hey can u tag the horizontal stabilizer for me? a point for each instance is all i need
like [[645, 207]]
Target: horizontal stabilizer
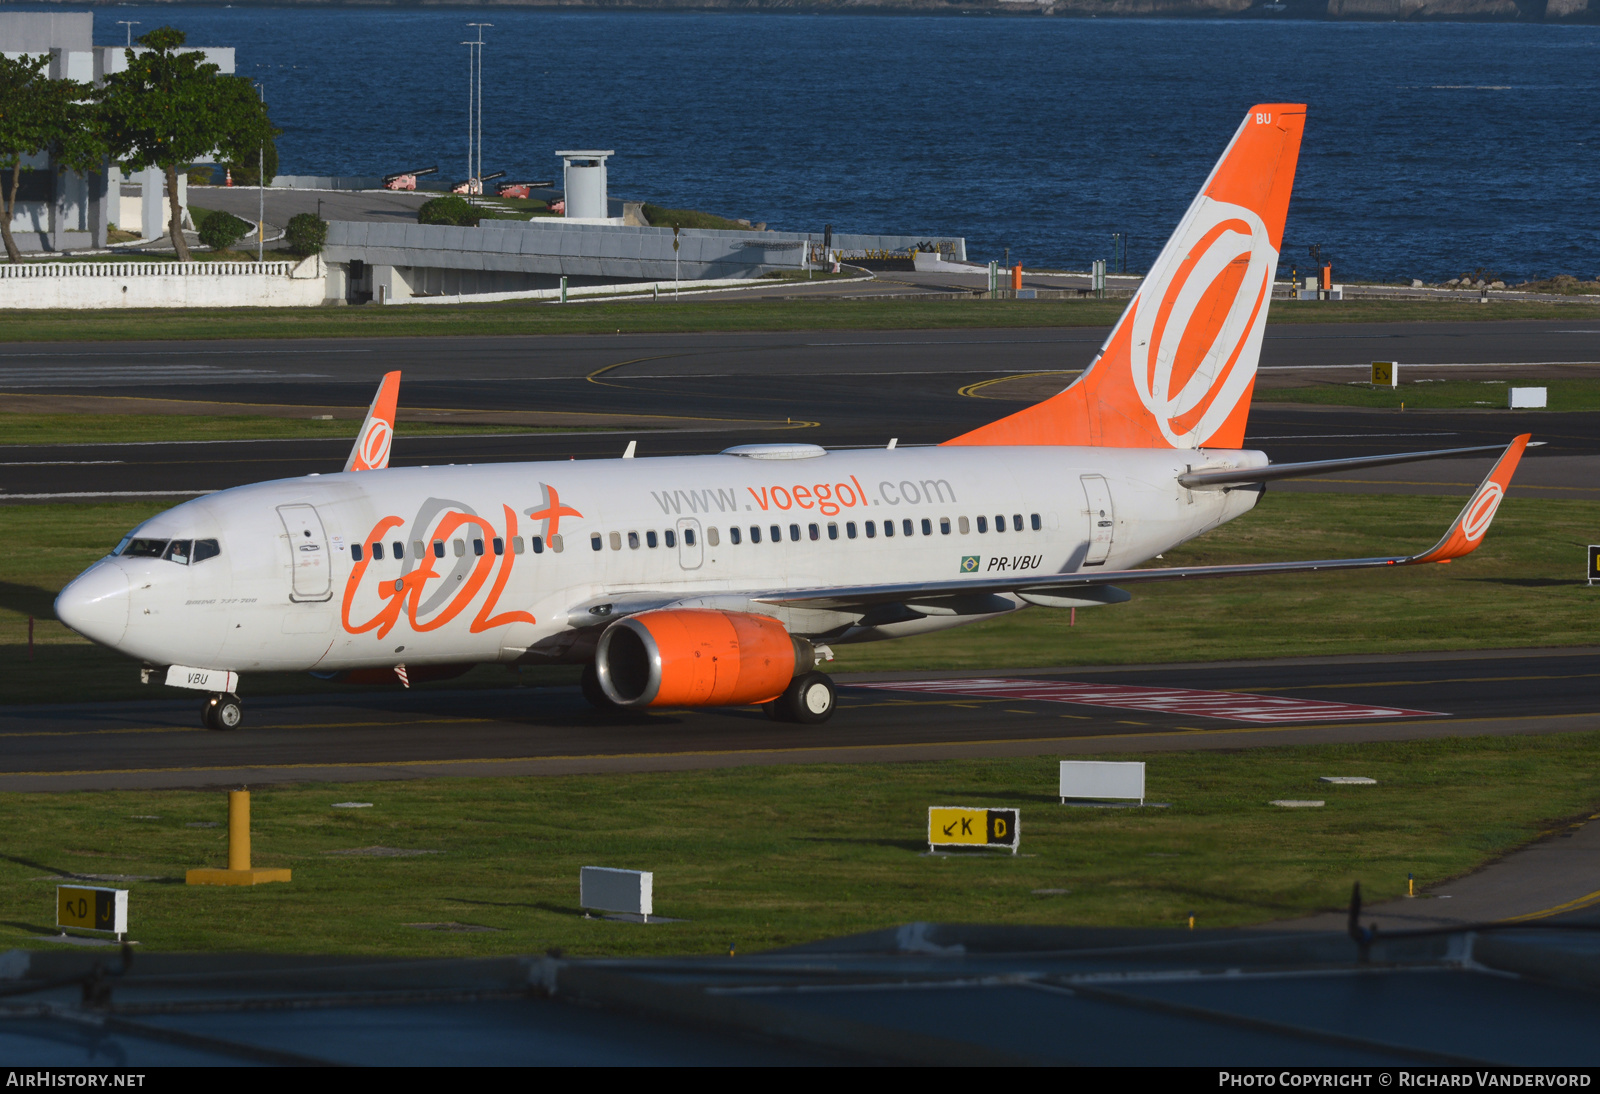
[[1216, 478]]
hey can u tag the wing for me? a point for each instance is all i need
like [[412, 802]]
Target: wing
[[1217, 478], [968, 597]]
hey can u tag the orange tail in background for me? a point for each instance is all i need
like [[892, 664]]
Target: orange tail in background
[[371, 451], [1180, 365]]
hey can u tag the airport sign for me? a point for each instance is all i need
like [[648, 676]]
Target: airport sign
[[88, 908], [957, 826]]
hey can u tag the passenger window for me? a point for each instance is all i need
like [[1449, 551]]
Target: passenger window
[[872, 529], [377, 552], [671, 537], [794, 533], [905, 526], [616, 541], [755, 533], [477, 547], [962, 526], [633, 541], [146, 548], [814, 532], [927, 526], [944, 526], [355, 551], [733, 533], [206, 548], [983, 525], [651, 540], [1016, 522], [712, 539], [417, 549], [594, 541], [399, 549], [499, 545], [537, 544], [438, 548], [850, 529], [459, 547], [833, 530], [999, 522], [1037, 523], [688, 537], [888, 527], [516, 545], [777, 534], [557, 543]]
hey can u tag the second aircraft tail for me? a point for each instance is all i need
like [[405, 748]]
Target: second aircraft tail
[[1180, 365]]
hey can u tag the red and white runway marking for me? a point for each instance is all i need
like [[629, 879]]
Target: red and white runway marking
[[1233, 706]]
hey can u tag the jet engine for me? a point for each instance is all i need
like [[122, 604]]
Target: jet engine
[[696, 657]]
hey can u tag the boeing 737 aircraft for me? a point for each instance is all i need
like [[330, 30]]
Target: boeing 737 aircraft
[[723, 580]]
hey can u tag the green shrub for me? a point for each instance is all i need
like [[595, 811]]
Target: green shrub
[[688, 218], [219, 231], [450, 209], [307, 233]]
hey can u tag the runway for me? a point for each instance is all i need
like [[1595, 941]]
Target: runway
[[881, 718], [830, 388]]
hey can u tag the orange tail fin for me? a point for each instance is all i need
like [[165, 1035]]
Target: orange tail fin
[[1180, 365], [371, 451]]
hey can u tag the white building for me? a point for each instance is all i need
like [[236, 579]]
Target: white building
[[64, 210]]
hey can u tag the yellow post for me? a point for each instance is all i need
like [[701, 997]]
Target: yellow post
[[238, 829], [239, 871]]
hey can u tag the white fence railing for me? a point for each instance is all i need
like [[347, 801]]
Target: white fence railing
[[147, 269]]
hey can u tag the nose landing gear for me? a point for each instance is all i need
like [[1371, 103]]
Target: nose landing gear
[[222, 711]]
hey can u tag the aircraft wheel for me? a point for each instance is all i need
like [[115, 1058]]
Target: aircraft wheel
[[222, 712], [808, 699], [596, 695]]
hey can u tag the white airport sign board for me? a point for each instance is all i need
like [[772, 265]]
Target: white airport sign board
[[1095, 779], [608, 890]]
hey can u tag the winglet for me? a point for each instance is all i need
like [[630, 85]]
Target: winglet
[[1473, 521], [371, 452]]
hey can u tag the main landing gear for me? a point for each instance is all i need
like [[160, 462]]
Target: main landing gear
[[809, 700], [222, 712]]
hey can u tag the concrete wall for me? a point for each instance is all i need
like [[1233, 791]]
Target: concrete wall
[[163, 284], [40, 32]]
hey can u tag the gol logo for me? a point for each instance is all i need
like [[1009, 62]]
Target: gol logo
[[1195, 318], [374, 447], [1476, 520]]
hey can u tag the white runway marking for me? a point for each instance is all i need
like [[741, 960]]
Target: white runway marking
[[102, 375], [1230, 706]]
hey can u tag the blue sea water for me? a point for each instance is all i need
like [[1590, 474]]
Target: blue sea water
[[1430, 149]]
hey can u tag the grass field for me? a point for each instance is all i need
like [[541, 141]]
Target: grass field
[[1524, 587], [720, 314], [759, 857], [122, 428], [1574, 394]]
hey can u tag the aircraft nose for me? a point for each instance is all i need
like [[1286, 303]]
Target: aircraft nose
[[96, 605]]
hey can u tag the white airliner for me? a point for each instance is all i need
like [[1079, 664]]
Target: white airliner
[[723, 579]]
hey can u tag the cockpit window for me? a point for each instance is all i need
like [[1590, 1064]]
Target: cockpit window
[[206, 548], [179, 551], [145, 548]]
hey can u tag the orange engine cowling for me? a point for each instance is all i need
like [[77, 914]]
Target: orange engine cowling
[[694, 657]]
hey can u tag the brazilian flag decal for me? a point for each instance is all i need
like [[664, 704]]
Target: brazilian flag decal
[[969, 564]]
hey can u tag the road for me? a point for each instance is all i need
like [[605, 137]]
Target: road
[[390, 734], [703, 392]]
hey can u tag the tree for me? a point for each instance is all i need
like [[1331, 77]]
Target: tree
[[40, 115], [247, 172], [450, 209], [169, 108]]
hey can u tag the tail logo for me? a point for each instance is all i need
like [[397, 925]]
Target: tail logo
[[373, 451], [1198, 317], [1475, 521]]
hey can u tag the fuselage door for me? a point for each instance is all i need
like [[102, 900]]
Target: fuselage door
[[1102, 519], [310, 567], [691, 552]]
